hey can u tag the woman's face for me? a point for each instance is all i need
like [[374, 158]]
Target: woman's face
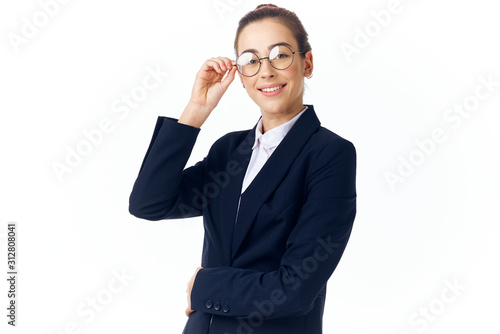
[[260, 36]]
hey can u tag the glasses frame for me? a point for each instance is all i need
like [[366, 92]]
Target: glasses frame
[[269, 60]]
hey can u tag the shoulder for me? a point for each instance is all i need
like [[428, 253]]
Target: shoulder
[[333, 164], [332, 156], [327, 142], [323, 139]]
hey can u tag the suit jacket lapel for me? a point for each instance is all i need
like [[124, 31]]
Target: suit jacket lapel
[[269, 177], [231, 193]]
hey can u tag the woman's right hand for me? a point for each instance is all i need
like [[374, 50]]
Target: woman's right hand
[[208, 89]]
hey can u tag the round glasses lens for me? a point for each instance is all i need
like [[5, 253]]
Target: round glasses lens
[[248, 63], [281, 57]]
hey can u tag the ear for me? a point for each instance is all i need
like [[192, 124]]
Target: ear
[[308, 64]]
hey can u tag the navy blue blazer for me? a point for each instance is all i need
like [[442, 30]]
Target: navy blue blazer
[[266, 269]]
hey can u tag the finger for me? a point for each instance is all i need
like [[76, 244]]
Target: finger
[[214, 65], [188, 311], [228, 79], [222, 62], [229, 65], [218, 67], [225, 63]]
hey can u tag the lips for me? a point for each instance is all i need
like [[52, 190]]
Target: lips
[[274, 91], [276, 86]]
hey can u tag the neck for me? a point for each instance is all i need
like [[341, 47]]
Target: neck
[[272, 120]]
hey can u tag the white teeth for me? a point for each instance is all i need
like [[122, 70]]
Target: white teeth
[[269, 90]]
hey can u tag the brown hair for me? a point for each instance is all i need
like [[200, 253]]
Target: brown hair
[[283, 15]]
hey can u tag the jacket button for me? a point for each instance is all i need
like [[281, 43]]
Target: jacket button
[[225, 308], [208, 303], [216, 306]]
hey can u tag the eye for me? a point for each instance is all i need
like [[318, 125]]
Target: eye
[[281, 56], [246, 59]]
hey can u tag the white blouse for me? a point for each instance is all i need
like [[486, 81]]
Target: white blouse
[[264, 145]]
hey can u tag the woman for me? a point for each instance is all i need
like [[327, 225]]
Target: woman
[[278, 201]]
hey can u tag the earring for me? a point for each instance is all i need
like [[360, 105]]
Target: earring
[[309, 77]]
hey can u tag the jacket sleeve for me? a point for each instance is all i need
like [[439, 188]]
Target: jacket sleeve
[[164, 189], [314, 249]]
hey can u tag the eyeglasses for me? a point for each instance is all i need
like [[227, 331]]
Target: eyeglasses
[[280, 57]]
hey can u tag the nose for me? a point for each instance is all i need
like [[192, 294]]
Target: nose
[[266, 70]]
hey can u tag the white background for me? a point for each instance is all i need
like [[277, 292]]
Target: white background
[[439, 225]]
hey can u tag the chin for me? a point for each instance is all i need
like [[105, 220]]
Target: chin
[[272, 107]]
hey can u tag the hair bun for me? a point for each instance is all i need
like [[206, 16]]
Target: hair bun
[[266, 5]]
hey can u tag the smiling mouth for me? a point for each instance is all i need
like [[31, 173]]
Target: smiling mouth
[[272, 89]]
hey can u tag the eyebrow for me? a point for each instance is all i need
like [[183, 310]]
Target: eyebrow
[[269, 47]]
